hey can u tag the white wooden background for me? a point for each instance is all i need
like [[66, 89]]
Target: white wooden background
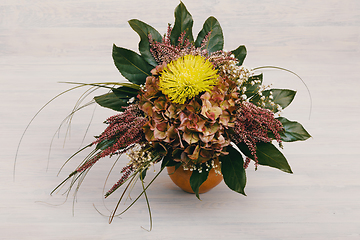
[[43, 42]]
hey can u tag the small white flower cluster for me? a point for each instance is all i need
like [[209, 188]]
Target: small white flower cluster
[[263, 99], [131, 100], [244, 75], [233, 71], [243, 88], [268, 100], [256, 81], [205, 166], [139, 156]]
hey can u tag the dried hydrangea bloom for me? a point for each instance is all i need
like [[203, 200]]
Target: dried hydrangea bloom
[[195, 132]]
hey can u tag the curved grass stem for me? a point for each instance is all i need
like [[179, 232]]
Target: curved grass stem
[[76, 108], [137, 198], [147, 203]]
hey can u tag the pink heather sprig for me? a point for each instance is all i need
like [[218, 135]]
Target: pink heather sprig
[[124, 129], [166, 38], [119, 123], [166, 52], [126, 171], [247, 162], [163, 51], [89, 163], [141, 157], [252, 125], [220, 57], [183, 43], [205, 41]]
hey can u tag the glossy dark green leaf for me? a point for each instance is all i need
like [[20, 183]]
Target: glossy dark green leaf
[[293, 131], [125, 92], [232, 168], [183, 23], [244, 149], [196, 180], [268, 155], [110, 100], [253, 85], [131, 65], [216, 38], [168, 161], [143, 174], [144, 30], [282, 97], [240, 54]]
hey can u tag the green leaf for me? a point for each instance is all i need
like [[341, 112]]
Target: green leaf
[[240, 54], [168, 161], [232, 168], [268, 155], [125, 92], [110, 100], [293, 131], [216, 38], [143, 174], [196, 180], [253, 85], [144, 30], [183, 23], [244, 149], [131, 65], [282, 97], [105, 144]]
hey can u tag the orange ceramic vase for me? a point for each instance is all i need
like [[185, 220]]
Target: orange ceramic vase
[[181, 178]]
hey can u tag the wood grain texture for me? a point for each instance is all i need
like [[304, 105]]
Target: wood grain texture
[[46, 42]]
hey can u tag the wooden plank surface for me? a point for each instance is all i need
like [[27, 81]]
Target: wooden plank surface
[[46, 42]]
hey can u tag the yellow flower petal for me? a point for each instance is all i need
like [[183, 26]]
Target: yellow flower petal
[[186, 77]]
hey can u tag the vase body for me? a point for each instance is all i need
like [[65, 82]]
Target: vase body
[[181, 178]]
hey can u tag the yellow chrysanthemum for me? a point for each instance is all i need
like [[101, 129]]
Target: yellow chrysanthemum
[[186, 77]]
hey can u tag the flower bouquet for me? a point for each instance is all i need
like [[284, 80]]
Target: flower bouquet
[[191, 105]]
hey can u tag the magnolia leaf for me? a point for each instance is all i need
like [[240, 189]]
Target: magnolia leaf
[[268, 155], [131, 65], [293, 131], [183, 23], [253, 85], [144, 30], [232, 169], [282, 97], [110, 100], [216, 39], [240, 54], [143, 174], [244, 149], [197, 179], [125, 92]]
